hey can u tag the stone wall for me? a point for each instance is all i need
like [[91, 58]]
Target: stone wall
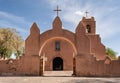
[[87, 65]]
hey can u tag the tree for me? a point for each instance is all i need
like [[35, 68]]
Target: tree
[[3, 52], [18, 45], [10, 42], [111, 53]]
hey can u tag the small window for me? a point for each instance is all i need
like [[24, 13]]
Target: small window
[[57, 46], [88, 29]]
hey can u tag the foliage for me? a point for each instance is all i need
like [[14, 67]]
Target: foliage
[[10, 42], [111, 53]]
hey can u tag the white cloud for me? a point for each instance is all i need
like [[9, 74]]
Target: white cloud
[[12, 17], [107, 23], [73, 11], [12, 21], [6, 24], [79, 13]]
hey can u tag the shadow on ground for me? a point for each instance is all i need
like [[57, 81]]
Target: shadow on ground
[[98, 80]]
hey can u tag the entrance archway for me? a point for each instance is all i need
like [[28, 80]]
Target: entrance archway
[[50, 63], [57, 64]]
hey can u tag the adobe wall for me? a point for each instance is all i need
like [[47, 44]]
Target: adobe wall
[[53, 34], [56, 32], [23, 66], [87, 65], [97, 47], [82, 41], [66, 50], [32, 43]]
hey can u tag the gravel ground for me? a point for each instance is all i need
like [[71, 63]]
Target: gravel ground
[[59, 79]]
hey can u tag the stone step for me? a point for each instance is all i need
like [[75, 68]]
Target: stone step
[[58, 73]]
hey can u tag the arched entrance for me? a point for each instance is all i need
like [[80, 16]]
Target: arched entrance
[[57, 64], [57, 61]]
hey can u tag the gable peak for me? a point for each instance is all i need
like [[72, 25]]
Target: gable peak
[[57, 23], [34, 28]]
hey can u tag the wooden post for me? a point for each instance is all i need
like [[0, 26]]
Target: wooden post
[[41, 66], [74, 65]]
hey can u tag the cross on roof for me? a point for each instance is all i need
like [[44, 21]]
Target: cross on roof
[[57, 10], [86, 13]]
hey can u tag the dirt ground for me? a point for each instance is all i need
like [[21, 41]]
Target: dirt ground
[[50, 79], [57, 77]]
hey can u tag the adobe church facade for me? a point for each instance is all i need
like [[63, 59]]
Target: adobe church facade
[[60, 46], [59, 49]]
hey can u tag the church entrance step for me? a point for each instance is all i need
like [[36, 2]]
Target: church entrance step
[[58, 73]]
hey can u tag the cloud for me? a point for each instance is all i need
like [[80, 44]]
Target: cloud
[[79, 13], [8, 20], [71, 12], [12, 17], [74, 10], [107, 21], [7, 24]]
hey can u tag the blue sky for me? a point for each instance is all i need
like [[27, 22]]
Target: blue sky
[[21, 14]]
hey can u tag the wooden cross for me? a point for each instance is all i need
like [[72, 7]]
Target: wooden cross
[[57, 10], [86, 13]]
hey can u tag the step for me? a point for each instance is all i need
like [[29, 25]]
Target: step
[[58, 73]]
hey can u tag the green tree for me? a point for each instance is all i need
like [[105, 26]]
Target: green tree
[[10, 42], [18, 45], [111, 53]]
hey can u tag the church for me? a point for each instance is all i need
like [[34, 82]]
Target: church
[[59, 49], [59, 46]]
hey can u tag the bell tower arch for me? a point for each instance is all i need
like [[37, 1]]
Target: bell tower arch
[[90, 25]]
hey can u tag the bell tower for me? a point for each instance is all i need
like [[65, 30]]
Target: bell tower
[[89, 25]]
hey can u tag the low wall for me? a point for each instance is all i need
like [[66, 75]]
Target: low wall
[[87, 65], [26, 65]]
